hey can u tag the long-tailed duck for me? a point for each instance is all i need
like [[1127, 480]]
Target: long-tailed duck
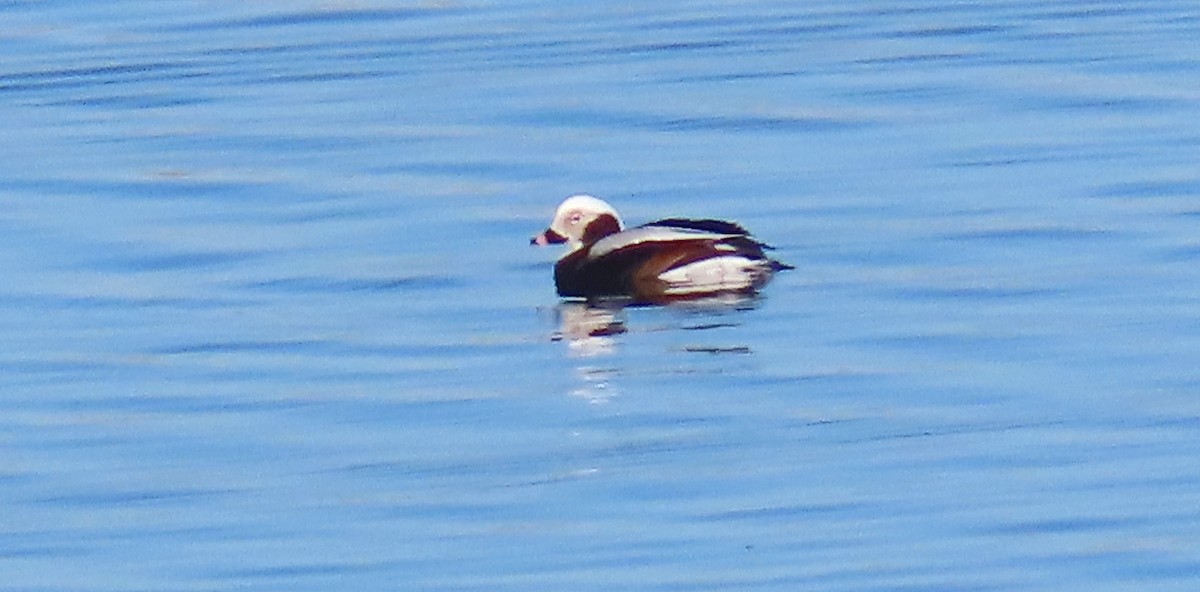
[[671, 259]]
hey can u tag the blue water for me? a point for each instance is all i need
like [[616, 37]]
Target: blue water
[[269, 319]]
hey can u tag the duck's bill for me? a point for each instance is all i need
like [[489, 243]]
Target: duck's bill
[[549, 237]]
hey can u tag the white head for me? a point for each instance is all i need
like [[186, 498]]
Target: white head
[[580, 220]]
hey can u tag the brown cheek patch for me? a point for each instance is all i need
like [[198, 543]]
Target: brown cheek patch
[[602, 226]]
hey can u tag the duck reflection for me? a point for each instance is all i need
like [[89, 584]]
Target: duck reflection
[[589, 327], [595, 328]]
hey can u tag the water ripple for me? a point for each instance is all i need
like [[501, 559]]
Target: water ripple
[[269, 319], [339, 285], [742, 123], [330, 17]]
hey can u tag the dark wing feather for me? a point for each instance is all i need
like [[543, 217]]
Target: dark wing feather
[[718, 226], [705, 225]]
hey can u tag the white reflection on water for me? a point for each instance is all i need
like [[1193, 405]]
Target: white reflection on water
[[589, 327]]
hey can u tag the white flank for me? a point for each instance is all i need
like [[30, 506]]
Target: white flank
[[717, 274], [661, 234]]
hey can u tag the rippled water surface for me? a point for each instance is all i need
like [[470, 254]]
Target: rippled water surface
[[269, 318]]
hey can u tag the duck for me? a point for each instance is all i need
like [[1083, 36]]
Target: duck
[[661, 261]]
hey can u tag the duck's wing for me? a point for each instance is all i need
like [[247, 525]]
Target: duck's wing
[[652, 237]]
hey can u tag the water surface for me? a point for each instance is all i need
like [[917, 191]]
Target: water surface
[[270, 319]]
